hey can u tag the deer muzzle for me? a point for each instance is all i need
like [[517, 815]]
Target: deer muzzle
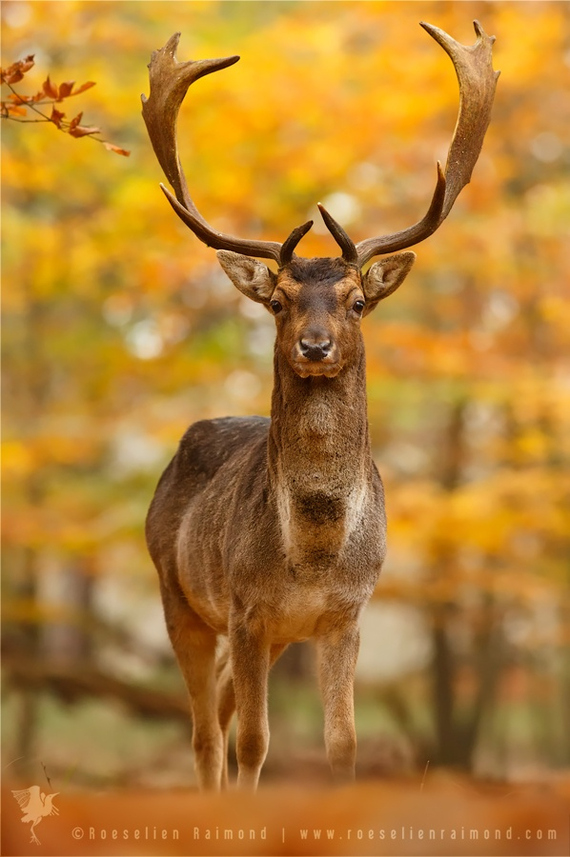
[[315, 353]]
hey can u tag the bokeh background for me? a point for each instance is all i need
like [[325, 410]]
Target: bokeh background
[[120, 329]]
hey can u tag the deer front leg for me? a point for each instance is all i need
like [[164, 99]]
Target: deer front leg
[[250, 669], [336, 659], [226, 698]]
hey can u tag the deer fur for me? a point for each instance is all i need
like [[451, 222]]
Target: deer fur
[[267, 532]]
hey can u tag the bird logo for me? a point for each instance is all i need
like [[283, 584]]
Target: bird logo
[[35, 805]]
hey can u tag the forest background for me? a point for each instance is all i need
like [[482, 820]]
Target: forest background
[[120, 329]]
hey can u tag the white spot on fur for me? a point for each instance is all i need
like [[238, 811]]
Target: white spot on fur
[[355, 508], [284, 514]]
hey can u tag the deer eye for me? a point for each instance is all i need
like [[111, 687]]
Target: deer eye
[[358, 307], [275, 306]]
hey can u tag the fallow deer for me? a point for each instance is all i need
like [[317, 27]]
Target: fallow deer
[[269, 531]]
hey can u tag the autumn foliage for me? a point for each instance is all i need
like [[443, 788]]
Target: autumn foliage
[[120, 329], [19, 106]]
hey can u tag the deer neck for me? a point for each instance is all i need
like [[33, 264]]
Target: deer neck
[[319, 459]]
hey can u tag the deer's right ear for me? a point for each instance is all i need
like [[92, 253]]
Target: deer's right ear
[[252, 278]]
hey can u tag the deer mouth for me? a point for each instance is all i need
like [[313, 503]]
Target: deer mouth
[[315, 368]]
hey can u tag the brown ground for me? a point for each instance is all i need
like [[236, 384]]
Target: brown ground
[[372, 818]]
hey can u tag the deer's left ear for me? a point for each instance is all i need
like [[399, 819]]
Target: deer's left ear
[[385, 276]]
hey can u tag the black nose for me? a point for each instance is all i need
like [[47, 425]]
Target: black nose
[[314, 349]]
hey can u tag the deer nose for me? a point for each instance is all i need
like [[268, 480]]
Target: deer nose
[[315, 348]]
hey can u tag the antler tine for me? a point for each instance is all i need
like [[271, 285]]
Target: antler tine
[[169, 82], [477, 82], [344, 241], [288, 247]]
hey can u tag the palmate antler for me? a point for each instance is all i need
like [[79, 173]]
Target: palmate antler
[[477, 83], [169, 82]]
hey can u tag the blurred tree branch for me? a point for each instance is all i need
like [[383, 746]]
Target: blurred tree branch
[[73, 683], [16, 106]]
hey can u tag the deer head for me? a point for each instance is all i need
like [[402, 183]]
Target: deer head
[[318, 303]]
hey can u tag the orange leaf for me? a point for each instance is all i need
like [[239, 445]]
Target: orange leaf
[[14, 110], [56, 117], [85, 86], [28, 63], [12, 75], [75, 121], [20, 99], [117, 149], [83, 130], [49, 89], [17, 70], [65, 89]]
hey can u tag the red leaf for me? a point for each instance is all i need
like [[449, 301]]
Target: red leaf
[[117, 149], [49, 89], [56, 117], [75, 121], [65, 89]]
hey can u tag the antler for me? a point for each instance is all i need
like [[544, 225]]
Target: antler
[[477, 82], [169, 82]]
